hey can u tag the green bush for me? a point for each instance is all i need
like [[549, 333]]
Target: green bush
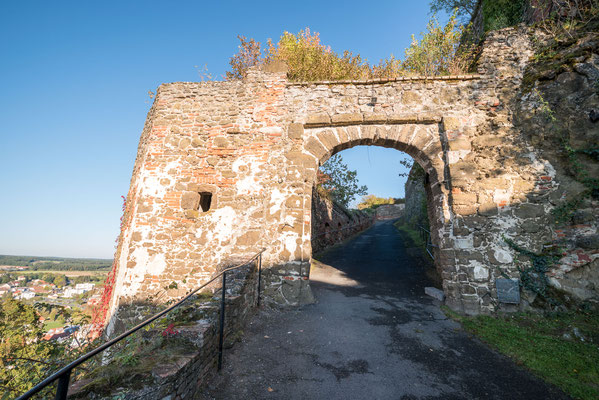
[[498, 14]]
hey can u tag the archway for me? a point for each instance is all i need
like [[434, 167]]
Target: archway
[[419, 138]]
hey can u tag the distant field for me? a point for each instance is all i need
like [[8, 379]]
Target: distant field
[[52, 324], [70, 274], [55, 264]]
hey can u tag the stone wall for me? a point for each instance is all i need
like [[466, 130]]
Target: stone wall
[[332, 224], [183, 374], [389, 211], [415, 213], [555, 113], [255, 146]]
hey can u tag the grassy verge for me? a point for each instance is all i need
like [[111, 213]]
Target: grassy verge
[[416, 247], [413, 234], [561, 348], [52, 324]]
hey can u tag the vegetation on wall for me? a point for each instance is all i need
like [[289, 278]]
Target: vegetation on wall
[[499, 14], [436, 52], [574, 166], [533, 277]]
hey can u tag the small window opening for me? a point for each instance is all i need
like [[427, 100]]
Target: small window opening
[[205, 201]]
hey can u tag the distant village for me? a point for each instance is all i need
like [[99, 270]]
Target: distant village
[[40, 291]]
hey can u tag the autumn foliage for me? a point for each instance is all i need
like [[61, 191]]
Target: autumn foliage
[[437, 52]]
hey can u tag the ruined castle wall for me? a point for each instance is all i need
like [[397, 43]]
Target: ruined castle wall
[[255, 146]]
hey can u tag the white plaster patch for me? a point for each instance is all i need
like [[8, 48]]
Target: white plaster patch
[[555, 282], [248, 182], [291, 243], [501, 197], [271, 130], [289, 220], [276, 199], [456, 155], [152, 186], [156, 264], [481, 272], [223, 220], [144, 264]]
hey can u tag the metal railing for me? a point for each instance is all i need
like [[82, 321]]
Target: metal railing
[[64, 375], [425, 235]]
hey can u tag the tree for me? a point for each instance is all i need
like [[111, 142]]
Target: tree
[[25, 359], [338, 182], [249, 55], [465, 8], [60, 280]]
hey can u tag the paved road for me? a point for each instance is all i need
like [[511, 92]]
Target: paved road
[[372, 334]]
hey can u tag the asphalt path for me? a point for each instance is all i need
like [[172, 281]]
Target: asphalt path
[[372, 334]]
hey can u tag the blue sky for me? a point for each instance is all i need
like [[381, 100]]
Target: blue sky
[[75, 77]]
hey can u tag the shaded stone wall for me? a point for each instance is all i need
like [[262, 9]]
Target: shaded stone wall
[[332, 224], [415, 212], [558, 113], [255, 147], [389, 211]]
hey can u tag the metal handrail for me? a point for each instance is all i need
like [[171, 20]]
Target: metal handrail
[[425, 234], [63, 375]]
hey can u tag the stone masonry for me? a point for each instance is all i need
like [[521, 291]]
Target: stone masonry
[[227, 168], [332, 224]]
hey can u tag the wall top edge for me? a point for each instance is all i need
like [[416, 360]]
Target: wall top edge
[[387, 80]]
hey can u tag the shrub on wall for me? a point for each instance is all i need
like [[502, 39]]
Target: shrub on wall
[[499, 14], [437, 52], [309, 60]]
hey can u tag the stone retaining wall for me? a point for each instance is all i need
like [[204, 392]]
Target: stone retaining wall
[[389, 211], [332, 224], [183, 376]]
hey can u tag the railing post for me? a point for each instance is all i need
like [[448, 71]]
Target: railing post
[[63, 386], [259, 276], [222, 322]]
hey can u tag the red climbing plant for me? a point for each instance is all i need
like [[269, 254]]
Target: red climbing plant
[[100, 312]]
